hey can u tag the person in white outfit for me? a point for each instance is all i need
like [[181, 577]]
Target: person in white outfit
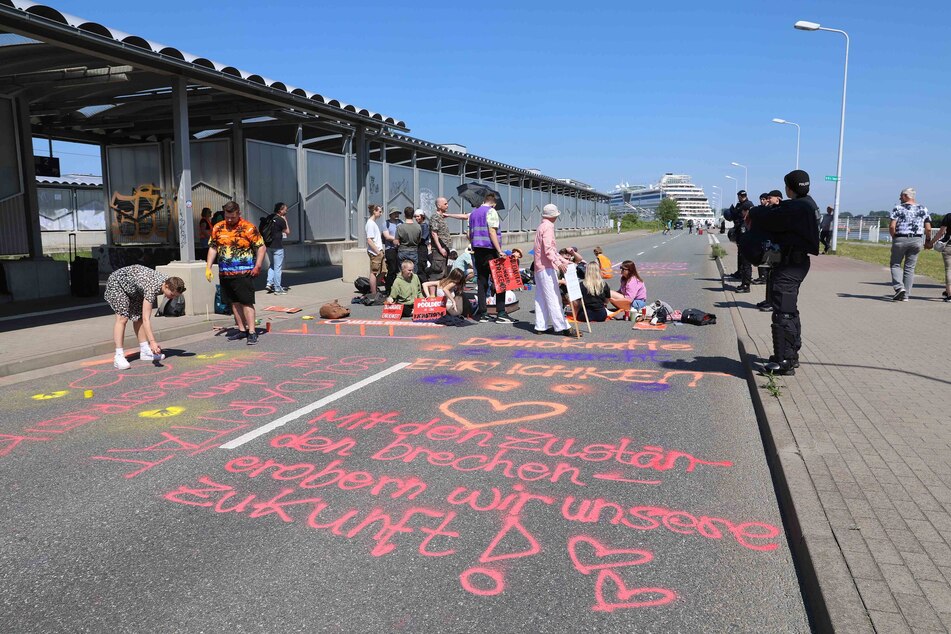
[[549, 312]]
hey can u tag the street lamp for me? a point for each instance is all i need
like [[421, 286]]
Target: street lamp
[[802, 25], [719, 195], [736, 186], [798, 130], [746, 175]]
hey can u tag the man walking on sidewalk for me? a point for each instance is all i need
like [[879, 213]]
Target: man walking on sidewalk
[[910, 229], [792, 225], [825, 229]]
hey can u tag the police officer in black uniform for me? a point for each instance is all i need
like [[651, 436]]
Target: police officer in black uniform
[[792, 225], [737, 215]]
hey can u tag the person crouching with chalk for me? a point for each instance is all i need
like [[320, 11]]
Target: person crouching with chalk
[[132, 293]]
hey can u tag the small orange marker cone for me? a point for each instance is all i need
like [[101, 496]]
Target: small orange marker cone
[[304, 328], [267, 327]]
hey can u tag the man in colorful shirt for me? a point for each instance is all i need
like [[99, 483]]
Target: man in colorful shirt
[[909, 226], [240, 250]]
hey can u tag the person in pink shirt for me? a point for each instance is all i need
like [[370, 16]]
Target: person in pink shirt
[[632, 288], [548, 306]]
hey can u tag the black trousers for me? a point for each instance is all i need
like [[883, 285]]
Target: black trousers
[[745, 268], [480, 262], [784, 298], [825, 237], [422, 255], [392, 266]]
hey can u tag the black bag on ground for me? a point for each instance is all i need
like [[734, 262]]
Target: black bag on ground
[[84, 277], [174, 307], [373, 300], [697, 317], [362, 285]]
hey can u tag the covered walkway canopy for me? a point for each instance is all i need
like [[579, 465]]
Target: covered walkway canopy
[[168, 121]]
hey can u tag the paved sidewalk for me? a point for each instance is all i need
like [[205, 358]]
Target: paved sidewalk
[[861, 444], [83, 326]]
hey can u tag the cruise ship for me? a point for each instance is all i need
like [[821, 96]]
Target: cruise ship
[[644, 199]]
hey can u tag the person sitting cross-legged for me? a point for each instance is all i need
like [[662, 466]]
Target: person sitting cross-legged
[[451, 288], [632, 293], [594, 293], [406, 288]]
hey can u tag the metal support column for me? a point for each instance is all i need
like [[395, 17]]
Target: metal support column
[[302, 185], [183, 171], [238, 155], [31, 203], [362, 150]]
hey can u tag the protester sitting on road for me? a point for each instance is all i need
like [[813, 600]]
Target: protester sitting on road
[[132, 293], [594, 292], [451, 288], [632, 288], [463, 262], [604, 262], [944, 233], [406, 288]]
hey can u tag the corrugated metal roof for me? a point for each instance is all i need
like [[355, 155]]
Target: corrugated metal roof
[[94, 29], [87, 180]]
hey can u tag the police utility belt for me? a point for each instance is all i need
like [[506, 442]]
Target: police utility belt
[[791, 256]]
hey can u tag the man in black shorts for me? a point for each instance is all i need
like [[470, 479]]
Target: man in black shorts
[[240, 251]]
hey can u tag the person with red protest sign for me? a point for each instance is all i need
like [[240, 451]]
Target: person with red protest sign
[[406, 288]]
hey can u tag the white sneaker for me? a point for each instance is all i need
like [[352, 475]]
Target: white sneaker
[[121, 363], [146, 355]]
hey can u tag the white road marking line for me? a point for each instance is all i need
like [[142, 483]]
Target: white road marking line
[[307, 409], [655, 246], [641, 253]]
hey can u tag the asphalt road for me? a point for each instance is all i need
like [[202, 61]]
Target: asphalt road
[[477, 479]]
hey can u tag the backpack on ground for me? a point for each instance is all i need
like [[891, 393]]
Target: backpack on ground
[[266, 229], [173, 308], [333, 310], [221, 308], [697, 317], [362, 285]]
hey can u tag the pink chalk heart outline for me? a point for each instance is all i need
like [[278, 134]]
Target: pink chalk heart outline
[[553, 409], [662, 596], [601, 551]]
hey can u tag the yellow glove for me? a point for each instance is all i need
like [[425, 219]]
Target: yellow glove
[[208, 275]]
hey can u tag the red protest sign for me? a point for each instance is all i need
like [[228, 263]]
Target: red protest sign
[[392, 311], [505, 274], [429, 308]]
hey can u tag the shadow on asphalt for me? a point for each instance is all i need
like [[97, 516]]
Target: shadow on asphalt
[[878, 298], [738, 304], [726, 365], [917, 284], [872, 367]]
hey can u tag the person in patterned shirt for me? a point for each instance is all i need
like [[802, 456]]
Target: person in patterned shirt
[[132, 292], [240, 251], [910, 228]]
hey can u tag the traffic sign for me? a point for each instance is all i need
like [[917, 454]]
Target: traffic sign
[[832, 178]]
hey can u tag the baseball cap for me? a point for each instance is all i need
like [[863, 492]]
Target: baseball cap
[[798, 182], [742, 192], [550, 211], [776, 193]]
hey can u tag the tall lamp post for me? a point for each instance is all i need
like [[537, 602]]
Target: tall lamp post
[[736, 187], [719, 195], [746, 175], [798, 130], [802, 25]]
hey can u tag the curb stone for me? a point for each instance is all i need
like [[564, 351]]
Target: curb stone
[[832, 599]]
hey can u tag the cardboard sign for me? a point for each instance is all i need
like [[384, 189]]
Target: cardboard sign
[[505, 274], [429, 308], [571, 283], [282, 309], [392, 312]]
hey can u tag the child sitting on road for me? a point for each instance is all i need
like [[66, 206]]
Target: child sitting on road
[[406, 288]]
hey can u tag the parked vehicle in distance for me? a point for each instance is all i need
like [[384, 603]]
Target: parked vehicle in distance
[[679, 224]]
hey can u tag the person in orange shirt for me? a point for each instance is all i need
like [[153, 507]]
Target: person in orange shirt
[[604, 263]]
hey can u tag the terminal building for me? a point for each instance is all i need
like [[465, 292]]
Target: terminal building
[[169, 122]]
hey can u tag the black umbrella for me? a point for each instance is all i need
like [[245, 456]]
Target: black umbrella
[[475, 193]]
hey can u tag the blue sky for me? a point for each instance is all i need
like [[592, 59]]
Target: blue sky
[[610, 91]]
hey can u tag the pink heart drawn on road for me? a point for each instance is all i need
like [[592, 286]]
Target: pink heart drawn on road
[[601, 551], [548, 410], [661, 596]]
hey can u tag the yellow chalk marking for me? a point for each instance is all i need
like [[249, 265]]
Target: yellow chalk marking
[[216, 355], [88, 394], [49, 395], [165, 412]]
